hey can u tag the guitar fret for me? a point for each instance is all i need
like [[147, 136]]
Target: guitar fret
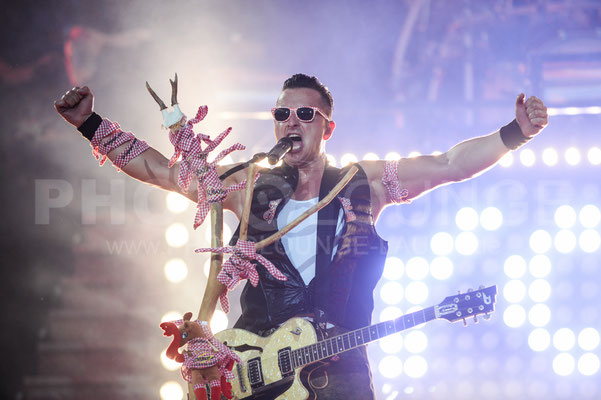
[[381, 327], [330, 347], [346, 341], [373, 333], [408, 321], [366, 336], [390, 327], [315, 352], [339, 345], [352, 339]]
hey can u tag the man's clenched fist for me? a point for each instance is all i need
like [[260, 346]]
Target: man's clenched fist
[[76, 105], [531, 115]]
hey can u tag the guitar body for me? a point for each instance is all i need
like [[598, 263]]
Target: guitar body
[[251, 348]]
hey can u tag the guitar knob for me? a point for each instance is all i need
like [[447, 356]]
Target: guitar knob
[[464, 322], [475, 319]]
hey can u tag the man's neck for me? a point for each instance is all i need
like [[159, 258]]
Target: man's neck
[[309, 179]]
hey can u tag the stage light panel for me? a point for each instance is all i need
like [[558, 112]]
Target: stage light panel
[[416, 292], [527, 157], [550, 156], [393, 155], [514, 291], [563, 364], [514, 316], [393, 268], [390, 367], [589, 240], [564, 339], [391, 344], [331, 160], [572, 156], [176, 203], [588, 339], [347, 159], [514, 266], [371, 157], [539, 290], [539, 315], [441, 243], [417, 268], [219, 321], [491, 218], [589, 216], [506, 160], [565, 241], [594, 155], [441, 268], [416, 341], [391, 292], [464, 366], [466, 219], [416, 366], [540, 241], [169, 364], [176, 235], [176, 270], [588, 364], [565, 217], [466, 243], [540, 266], [171, 391], [539, 339]]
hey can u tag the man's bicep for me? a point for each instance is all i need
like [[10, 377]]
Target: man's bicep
[[420, 174]]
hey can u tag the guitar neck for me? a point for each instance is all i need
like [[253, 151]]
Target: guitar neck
[[350, 340]]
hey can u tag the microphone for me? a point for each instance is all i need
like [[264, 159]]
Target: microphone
[[283, 146]]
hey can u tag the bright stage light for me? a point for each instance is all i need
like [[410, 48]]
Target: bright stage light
[[331, 160], [176, 235], [466, 219], [414, 154], [527, 157], [550, 156], [514, 316], [227, 160], [441, 243], [169, 364], [588, 364], [491, 218], [540, 241], [416, 341], [176, 270], [219, 321], [539, 290], [565, 241], [564, 339], [573, 156], [416, 292], [589, 216], [390, 367], [539, 315], [416, 366], [371, 157], [588, 339], [391, 344], [441, 268], [466, 243], [390, 313], [565, 217], [539, 339], [417, 268], [171, 391], [594, 155], [176, 203], [514, 266], [514, 291], [393, 155], [347, 159], [540, 266], [563, 364], [171, 316], [589, 240], [391, 292], [506, 160], [393, 268]]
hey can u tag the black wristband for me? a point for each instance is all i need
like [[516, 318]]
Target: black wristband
[[88, 128], [512, 136]]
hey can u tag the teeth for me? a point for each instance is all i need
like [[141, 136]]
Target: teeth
[[295, 137]]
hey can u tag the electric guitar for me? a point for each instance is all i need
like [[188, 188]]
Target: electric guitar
[[271, 365]]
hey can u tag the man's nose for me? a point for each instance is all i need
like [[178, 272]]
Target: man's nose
[[293, 120]]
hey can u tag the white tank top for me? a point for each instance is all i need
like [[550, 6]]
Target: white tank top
[[300, 243]]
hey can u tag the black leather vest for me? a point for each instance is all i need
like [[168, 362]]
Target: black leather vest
[[343, 286]]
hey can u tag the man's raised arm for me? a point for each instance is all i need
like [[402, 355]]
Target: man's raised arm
[[467, 159]]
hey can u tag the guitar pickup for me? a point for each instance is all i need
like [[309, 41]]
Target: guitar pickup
[[285, 362]]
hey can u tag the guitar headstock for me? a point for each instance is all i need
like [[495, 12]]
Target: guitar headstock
[[469, 304]]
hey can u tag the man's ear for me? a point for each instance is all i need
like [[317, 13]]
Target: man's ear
[[328, 133], [187, 316]]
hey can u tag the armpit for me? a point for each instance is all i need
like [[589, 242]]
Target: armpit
[[390, 180]]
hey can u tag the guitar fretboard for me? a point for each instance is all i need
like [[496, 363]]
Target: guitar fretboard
[[350, 340]]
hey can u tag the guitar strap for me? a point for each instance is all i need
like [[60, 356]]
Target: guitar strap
[[327, 219]]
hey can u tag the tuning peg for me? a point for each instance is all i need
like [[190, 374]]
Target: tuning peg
[[486, 316], [475, 319], [464, 322]]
